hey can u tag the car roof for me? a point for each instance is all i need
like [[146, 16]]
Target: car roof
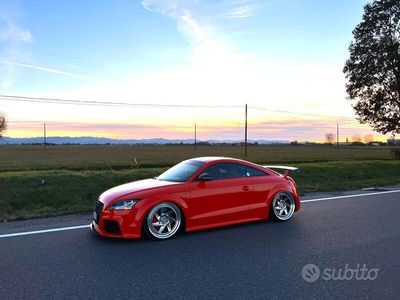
[[211, 159], [207, 159]]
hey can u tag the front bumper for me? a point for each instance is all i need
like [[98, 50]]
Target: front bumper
[[117, 225]]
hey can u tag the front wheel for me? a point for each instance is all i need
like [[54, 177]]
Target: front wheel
[[283, 206], [163, 221]]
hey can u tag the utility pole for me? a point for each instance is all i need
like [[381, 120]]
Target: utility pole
[[195, 137], [44, 136], [245, 131], [337, 135]]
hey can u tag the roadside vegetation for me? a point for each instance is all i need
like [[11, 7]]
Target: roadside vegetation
[[68, 179], [115, 157]]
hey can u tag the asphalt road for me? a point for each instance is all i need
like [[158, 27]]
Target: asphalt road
[[257, 260]]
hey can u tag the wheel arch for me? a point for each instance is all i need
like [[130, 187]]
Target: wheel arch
[[282, 188], [150, 203]]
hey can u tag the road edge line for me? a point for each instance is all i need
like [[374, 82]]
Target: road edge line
[[43, 231], [350, 196]]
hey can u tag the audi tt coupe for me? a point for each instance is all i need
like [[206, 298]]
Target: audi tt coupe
[[198, 193]]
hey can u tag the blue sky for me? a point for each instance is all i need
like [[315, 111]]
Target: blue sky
[[217, 52], [115, 38], [92, 38]]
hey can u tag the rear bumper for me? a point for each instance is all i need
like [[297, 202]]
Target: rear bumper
[[298, 204], [297, 200]]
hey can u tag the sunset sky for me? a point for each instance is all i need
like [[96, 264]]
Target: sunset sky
[[284, 58]]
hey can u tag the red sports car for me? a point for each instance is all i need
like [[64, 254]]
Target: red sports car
[[196, 194]]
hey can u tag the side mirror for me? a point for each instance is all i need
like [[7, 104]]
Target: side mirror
[[205, 177]]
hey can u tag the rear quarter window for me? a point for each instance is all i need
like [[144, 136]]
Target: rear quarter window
[[253, 172]]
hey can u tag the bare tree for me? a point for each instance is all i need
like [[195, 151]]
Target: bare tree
[[3, 124], [330, 138], [356, 139], [368, 138]]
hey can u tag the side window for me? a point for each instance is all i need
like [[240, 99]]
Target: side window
[[251, 172], [226, 171]]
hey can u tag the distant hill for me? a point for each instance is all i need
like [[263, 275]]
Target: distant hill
[[101, 140]]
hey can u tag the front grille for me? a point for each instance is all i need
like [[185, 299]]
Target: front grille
[[98, 209]]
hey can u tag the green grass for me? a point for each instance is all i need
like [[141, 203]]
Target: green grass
[[74, 157], [341, 176], [26, 194]]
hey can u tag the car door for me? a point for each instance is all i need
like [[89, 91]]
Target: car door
[[224, 199]]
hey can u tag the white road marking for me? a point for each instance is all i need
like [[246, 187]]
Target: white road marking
[[87, 226], [350, 196], [43, 231]]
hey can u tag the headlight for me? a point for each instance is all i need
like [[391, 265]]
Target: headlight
[[123, 204]]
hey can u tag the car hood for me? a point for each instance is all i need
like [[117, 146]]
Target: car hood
[[132, 187]]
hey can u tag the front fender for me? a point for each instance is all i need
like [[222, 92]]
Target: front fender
[[147, 204]]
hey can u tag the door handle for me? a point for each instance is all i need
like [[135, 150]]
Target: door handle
[[245, 188]]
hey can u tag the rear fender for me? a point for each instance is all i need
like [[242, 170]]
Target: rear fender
[[284, 187]]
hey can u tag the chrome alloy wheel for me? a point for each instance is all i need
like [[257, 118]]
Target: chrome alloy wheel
[[283, 206], [164, 220]]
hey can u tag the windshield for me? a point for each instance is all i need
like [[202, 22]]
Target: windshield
[[182, 171]]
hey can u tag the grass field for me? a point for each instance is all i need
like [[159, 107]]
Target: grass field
[[18, 158], [68, 179]]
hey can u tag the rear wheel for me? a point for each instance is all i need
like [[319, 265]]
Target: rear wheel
[[163, 221], [283, 206]]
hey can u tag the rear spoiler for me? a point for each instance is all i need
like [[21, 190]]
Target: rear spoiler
[[286, 168]]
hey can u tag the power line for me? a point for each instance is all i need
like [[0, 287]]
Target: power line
[[337, 135], [106, 103], [245, 130], [44, 136], [297, 113], [195, 136], [150, 105], [267, 126]]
